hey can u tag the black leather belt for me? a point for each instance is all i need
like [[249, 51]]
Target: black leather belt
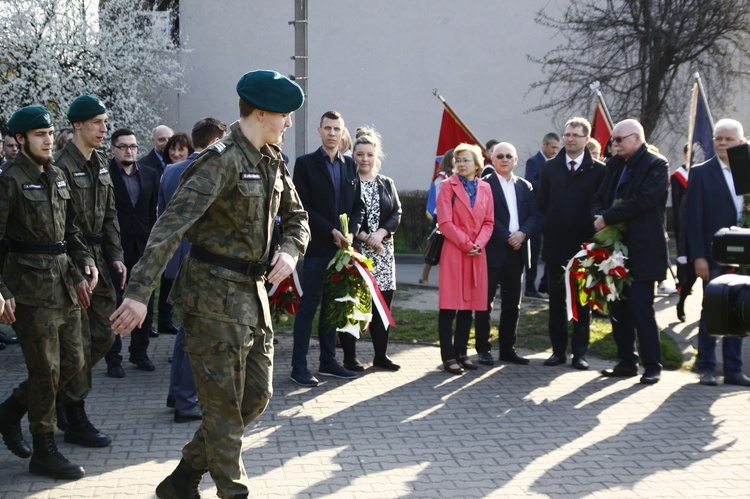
[[56, 248], [91, 238], [254, 269]]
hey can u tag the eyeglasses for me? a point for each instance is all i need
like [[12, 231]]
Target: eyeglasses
[[573, 136], [126, 148], [617, 140], [506, 156]]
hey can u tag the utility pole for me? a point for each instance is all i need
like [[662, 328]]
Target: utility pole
[[300, 73]]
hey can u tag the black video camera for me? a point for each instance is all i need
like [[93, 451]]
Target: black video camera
[[727, 298]]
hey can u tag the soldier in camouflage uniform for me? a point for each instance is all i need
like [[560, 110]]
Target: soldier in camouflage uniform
[[40, 283], [225, 206], [90, 186]]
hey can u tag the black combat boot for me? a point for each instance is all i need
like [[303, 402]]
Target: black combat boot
[[183, 483], [48, 461], [11, 413], [80, 430]]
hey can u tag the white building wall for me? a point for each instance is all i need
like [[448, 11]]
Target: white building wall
[[377, 62]]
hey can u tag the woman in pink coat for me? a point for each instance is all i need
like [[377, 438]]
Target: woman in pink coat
[[466, 217]]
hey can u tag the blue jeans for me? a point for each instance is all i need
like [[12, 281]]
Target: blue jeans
[[731, 348], [313, 272]]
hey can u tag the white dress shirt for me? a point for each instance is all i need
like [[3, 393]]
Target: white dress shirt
[[509, 189]]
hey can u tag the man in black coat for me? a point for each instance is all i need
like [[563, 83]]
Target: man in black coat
[[569, 182], [534, 166], [155, 158], [136, 197], [635, 192], [508, 253], [328, 185]]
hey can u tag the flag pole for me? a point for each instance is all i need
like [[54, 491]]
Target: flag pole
[[698, 80], [595, 87], [465, 128]]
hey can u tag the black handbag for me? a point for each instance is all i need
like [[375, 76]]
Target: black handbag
[[434, 246]]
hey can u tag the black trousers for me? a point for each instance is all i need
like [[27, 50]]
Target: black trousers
[[510, 278], [635, 315], [453, 346], [558, 316]]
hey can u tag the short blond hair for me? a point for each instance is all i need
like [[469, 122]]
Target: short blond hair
[[476, 154]]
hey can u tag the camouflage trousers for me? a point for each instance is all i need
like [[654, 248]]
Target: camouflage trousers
[[50, 339], [233, 369], [96, 340]]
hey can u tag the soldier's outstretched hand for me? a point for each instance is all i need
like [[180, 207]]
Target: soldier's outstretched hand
[[282, 265], [128, 316]]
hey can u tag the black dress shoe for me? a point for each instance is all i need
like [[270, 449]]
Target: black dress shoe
[[2, 346], [486, 359], [533, 293], [167, 328], [466, 363], [8, 337], [580, 363], [739, 379], [193, 414], [451, 366], [143, 363], [621, 371], [708, 379], [385, 363], [513, 357], [153, 333], [555, 360], [681, 311], [650, 378], [355, 366], [115, 370]]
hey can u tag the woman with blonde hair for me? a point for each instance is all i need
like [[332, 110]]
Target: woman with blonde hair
[[466, 218], [375, 241]]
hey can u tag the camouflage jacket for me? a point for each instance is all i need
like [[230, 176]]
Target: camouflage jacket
[[226, 203], [94, 199], [36, 207]]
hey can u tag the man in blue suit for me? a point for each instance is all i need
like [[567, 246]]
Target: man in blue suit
[[328, 185], [534, 166], [711, 204], [182, 396], [516, 217]]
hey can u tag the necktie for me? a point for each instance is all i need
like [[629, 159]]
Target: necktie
[[572, 167]]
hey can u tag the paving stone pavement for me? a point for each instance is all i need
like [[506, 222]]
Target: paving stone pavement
[[505, 431]]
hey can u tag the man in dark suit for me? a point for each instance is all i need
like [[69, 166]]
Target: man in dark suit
[[550, 147], [712, 203], [516, 216], [569, 182], [635, 192], [155, 158], [136, 196], [328, 185]]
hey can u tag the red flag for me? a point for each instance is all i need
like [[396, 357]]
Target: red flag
[[453, 131], [601, 125]]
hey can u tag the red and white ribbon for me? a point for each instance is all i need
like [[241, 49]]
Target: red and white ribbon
[[571, 303], [377, 297], [296, 287]]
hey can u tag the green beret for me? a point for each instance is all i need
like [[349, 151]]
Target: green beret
[[30, 118], [270, 91], [85, 107]]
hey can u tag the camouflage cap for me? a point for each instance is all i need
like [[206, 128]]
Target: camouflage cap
[[270, 91], [30, 118], [85, 107]]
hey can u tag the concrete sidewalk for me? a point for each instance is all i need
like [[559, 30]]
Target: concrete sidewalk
[[506, 431]]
